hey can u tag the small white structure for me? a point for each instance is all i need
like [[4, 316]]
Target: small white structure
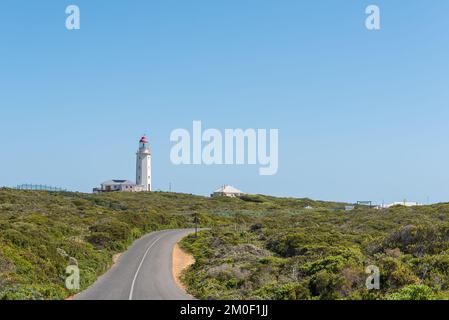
[[143, 173], [227, 191], [403, 203]]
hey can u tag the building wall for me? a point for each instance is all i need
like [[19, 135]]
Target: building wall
[[120, 188], [225, 194]]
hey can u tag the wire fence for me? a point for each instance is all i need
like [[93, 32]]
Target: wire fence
[[39, 187]]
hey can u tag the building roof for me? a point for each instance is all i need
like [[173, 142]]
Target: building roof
[[227, 189], [118, 182], [403, 203]]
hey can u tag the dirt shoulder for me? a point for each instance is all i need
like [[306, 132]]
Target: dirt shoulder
[[181, 261]]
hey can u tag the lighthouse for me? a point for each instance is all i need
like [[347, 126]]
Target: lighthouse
[[143, 166], [143, 174]]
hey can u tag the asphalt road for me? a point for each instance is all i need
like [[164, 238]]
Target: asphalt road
[[144, 272]]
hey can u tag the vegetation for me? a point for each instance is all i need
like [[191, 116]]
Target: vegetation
[[256, 247], [323, 254], [41, 233]]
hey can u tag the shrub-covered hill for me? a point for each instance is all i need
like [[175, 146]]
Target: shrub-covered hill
[[258, 247], [41, 233], [322, 254]]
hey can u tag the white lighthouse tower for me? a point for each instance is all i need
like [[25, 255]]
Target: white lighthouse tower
[[143, 167]]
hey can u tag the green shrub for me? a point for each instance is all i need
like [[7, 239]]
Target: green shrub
[[414, 292]]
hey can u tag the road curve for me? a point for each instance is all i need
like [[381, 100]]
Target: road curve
[[143, 272]]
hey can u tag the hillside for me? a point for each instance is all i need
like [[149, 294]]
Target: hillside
[[323, 255], [258, 247], [41, 232]]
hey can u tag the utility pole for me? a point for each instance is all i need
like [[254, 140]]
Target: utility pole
[[196, 220]]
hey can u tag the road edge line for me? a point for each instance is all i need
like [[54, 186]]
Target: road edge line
[[140, 266]]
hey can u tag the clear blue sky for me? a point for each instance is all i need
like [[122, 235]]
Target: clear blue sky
[[361, 115]]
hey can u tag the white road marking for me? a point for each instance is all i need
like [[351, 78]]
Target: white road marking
[[140, 266]]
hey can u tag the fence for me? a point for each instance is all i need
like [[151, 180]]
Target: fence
[[39, 187]]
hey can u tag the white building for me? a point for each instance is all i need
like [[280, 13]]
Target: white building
[[143, 174], [227, 191], [403, 203], [119, 185]]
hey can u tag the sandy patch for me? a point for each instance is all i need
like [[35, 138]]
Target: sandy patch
[[181, 261]]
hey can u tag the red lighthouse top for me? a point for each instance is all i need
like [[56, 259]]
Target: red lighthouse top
[[144, 139]]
